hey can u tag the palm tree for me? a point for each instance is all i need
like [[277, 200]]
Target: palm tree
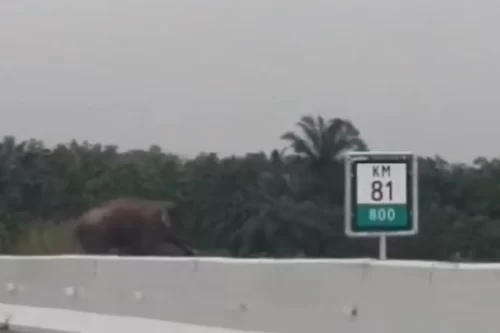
[[324, 141], [319, 149]]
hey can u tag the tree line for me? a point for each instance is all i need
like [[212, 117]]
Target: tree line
[[283, 203]]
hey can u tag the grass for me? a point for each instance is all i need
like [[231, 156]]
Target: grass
[[46, 238]]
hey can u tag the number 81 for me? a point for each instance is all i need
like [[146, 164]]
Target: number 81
[[377, 190]]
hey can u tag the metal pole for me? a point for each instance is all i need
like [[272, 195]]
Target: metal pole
[[415, 194], [347, 197], [382, 247]]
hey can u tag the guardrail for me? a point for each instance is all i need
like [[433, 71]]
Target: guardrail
[[110, 294]]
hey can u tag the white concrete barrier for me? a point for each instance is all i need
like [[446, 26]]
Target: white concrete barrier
[[108, 294]]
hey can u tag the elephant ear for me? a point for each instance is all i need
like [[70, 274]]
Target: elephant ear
[[165, 219], [171, 216]]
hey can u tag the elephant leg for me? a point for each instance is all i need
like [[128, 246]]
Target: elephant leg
[[187, 250], [142, 247], [91, 241], [95, 249], [127, 251], [168, 249], [149, 243]]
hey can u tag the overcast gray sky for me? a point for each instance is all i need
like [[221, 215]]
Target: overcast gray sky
[[232, 75]]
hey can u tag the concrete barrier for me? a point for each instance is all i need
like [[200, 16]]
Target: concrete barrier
[[107, 294]]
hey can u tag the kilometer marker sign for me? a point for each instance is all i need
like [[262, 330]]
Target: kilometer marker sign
[[381, 194]]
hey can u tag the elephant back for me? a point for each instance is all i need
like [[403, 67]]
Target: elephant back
[[133, 210]]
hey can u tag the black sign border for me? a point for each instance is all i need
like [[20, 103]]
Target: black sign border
[[354, 226]]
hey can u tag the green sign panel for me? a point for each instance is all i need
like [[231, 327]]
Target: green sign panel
[[381, 194], [380, 216]]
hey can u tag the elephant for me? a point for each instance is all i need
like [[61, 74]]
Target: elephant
[[131, 226]]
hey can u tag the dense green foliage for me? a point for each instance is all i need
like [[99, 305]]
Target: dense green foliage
[[285, 203]]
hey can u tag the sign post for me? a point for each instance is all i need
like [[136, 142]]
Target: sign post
[[381, 196]]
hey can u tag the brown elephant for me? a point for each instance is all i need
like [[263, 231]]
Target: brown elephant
[[131, 226]]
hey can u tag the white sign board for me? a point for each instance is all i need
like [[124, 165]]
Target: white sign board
[[381, 183]]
